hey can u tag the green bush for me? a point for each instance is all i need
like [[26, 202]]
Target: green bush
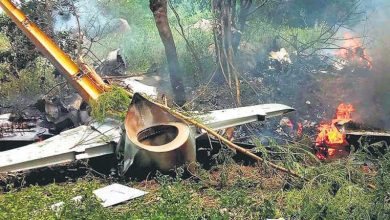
[[33, 82], [112, 104], [4, 43]]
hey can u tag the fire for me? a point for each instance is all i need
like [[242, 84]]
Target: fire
[[352, 50], [330, 138]]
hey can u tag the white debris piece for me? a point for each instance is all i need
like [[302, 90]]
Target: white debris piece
[[282, 56], [203, 25], [221, 119], [79, 143], [139, 87], [57, 207], [117, 193], [5, 117]]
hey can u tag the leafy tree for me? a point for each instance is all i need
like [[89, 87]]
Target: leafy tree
[[22, 52], [308, 13]]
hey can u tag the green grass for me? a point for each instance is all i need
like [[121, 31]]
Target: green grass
[[168, 198], [336, 190]]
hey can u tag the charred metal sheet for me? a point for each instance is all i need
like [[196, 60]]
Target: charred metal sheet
[[369, 133], [75, 144], [20, 132], [150, 136], [5, 117], [65, 112], [221, 119], [114, 64], [138, 87], [375, 142], [154, 137]]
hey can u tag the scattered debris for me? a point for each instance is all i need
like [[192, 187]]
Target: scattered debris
[[20, 131], [114, 64], [281, 56], [58, 206], [137, 87], [353, 51], [67, 112], [289, 128], [110, 195], [79, 143], [151, 130], [337, 138], [116, 193], [155, 137]]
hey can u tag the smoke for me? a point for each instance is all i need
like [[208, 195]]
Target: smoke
[[101, 28], [87, 11], [93, 19], [373, 91]]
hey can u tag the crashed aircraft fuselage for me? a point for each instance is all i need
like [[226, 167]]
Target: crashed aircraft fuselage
[[150, 136]]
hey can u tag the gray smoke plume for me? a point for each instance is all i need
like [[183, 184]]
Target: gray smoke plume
[[87, 11], [373, 93]]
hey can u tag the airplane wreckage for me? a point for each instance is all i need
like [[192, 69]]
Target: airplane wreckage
[[152, 134]]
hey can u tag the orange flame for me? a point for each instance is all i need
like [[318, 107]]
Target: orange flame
[[330, 138], [353, 51]]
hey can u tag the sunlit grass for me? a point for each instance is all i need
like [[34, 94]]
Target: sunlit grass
[[335, 190]]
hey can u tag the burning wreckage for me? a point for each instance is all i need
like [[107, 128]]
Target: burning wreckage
[[151, 137], [152, 134], [343, 135]]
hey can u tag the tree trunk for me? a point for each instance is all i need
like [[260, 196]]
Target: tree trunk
[[159, 9], [224, 13], [243, 14]]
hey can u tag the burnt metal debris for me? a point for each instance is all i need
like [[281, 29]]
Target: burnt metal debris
[[114, 64], [15, 132], [150, 136], [48, 117], [358, 137], [66, 112], [154, 137]]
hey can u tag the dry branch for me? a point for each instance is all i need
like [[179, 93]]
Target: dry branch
[[230, 144], [224, 140]]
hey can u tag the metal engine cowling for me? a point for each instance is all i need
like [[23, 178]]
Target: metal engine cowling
[[152, 137]]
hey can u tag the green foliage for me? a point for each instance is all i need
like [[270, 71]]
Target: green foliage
[[112, 104], [32, 82], [4, 43], [307, 13], [328, 201], [22, 51], [382, 193], [335, 190], [34, 202], [142, 45]]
